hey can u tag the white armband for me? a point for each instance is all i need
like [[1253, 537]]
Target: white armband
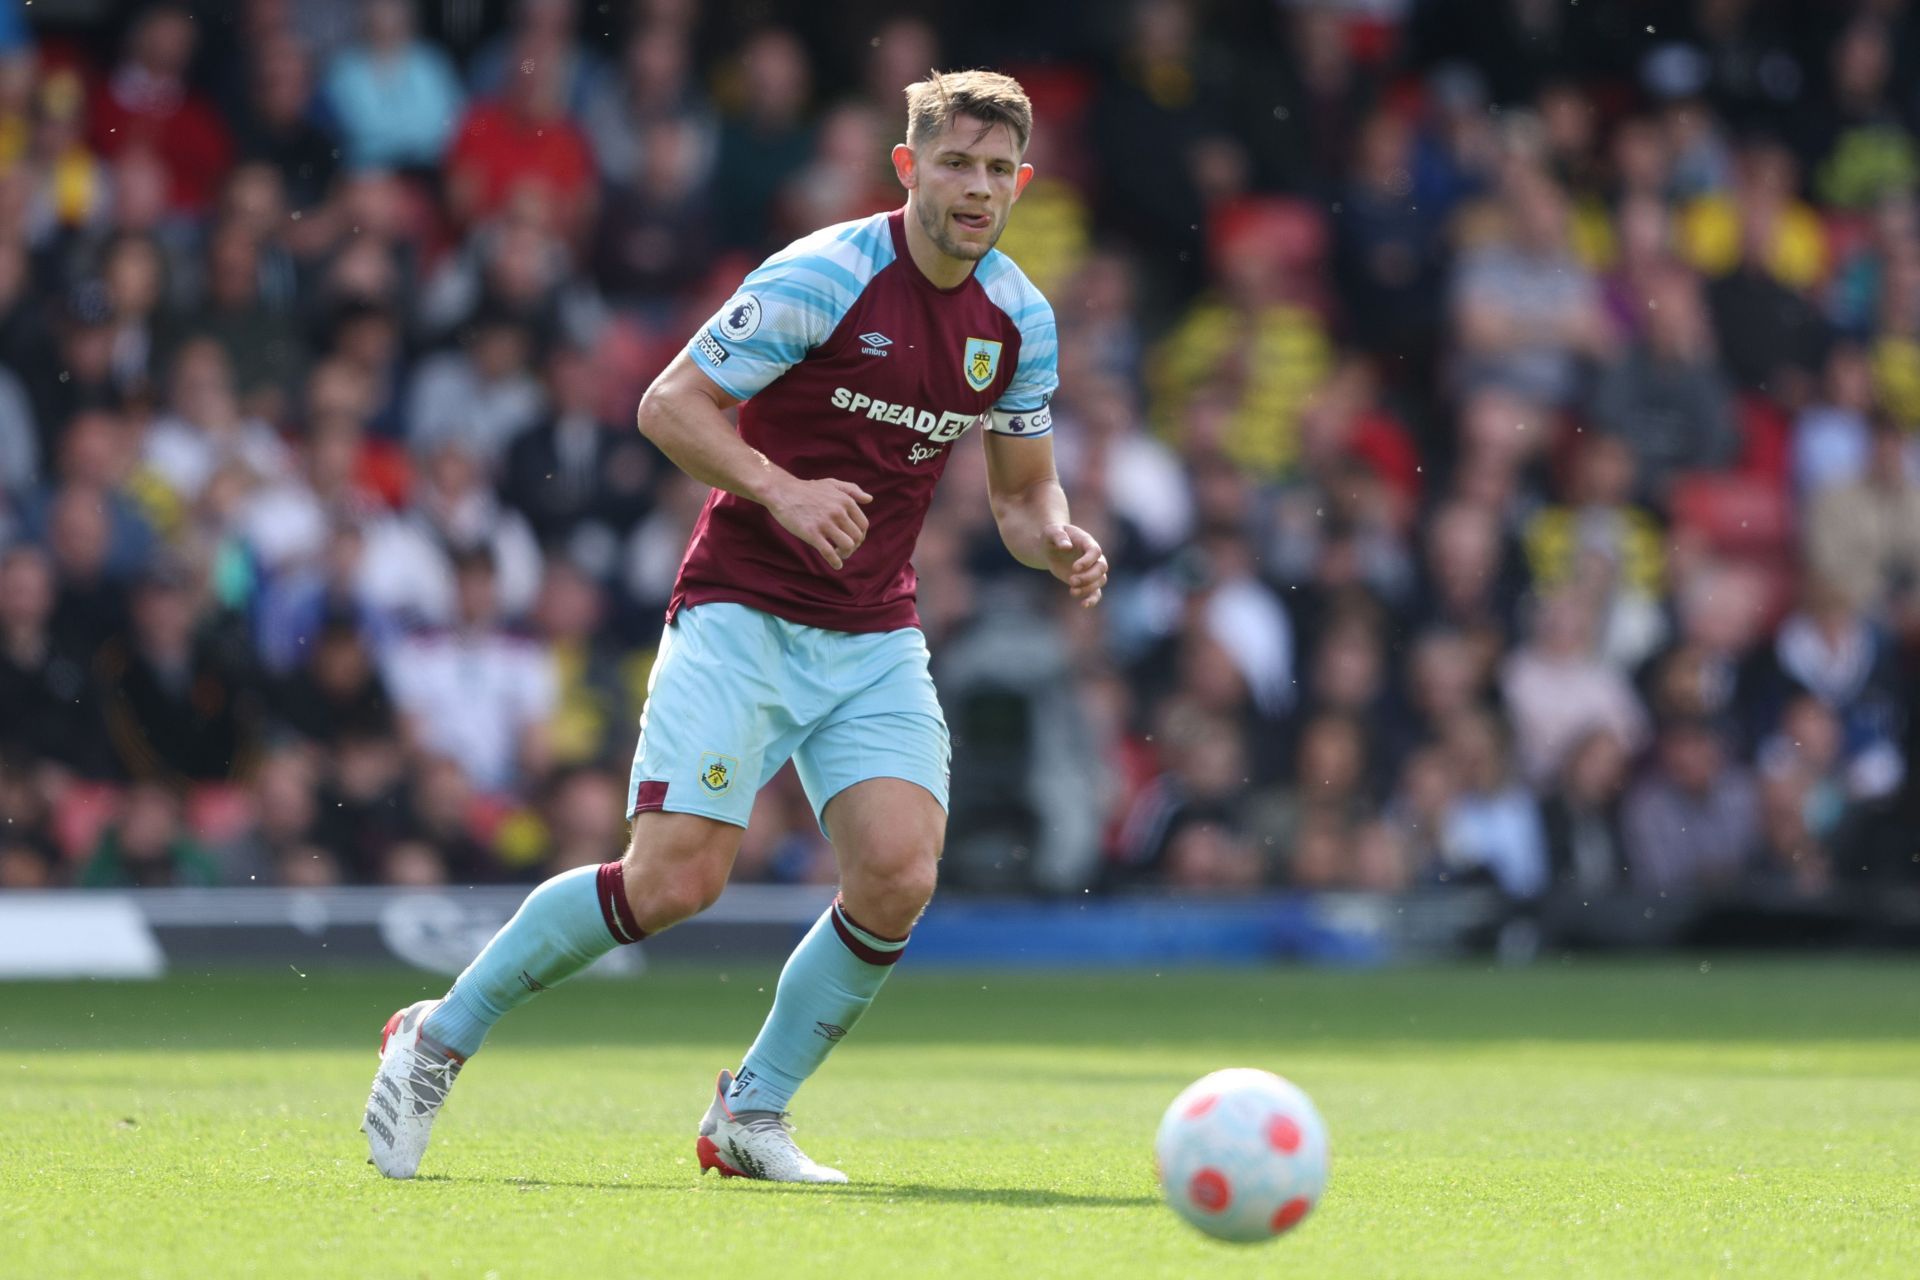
[[1027, 422]]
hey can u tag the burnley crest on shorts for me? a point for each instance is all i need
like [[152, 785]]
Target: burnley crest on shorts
[[716, 772], [982, 361]]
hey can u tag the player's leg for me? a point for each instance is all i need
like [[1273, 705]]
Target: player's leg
[[674, 868], [690, 800], [705, 718], [875, 767], [887, 834]]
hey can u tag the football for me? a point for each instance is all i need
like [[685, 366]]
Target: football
[[1242, 1155]]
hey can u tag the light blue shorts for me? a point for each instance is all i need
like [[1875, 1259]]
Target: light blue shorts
[[735, 692]]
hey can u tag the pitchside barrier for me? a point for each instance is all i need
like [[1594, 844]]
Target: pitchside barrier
[[146, 933]]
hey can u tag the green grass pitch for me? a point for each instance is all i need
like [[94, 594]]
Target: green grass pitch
[[1671, 1118]]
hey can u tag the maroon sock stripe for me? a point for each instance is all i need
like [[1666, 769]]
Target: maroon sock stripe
[[611, 884], [840, 905], [856, 944]]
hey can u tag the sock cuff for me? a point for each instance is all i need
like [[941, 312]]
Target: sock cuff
[[610, 886], [864, 943]]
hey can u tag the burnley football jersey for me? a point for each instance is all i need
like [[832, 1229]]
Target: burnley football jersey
[[854, 366]]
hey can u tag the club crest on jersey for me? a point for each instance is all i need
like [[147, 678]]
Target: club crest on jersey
[[981, 362], [740, 318], [716, 772]]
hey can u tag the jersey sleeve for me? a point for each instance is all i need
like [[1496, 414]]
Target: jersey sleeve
[[1023, 409], [785, 308]]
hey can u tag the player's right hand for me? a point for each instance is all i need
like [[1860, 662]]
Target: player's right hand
[[824, 514]]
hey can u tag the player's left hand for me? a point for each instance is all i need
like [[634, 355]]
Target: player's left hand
[[1076, 559]]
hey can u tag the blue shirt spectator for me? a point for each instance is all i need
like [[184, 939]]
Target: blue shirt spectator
[[397, 99]]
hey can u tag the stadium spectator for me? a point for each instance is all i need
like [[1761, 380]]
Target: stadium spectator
[[178, 698], [657, 89], [1858, 148], [1770, 338], [1666, 397], [1693, 822], [1827, 647], [1604, 544], [265, 350], [80, 533], [148, 846], [438, 838], [1468, 582], [581, 483], [584, 816], [277, 844], [278, 127], [1160, 97], [1831, 435], [337, 690], [127, 311], [206, 429], [29, 855], [481, 393], [765, 138], [476, 693], [521, 147], [1492, 830], [1586, 848], [845, 178], [1105, 447], [549, 31], [1864, 536], [52, 717], [396, 97], [599, 691], [148, 103], [1525, 312], [1388, 242], [1258, 343], [656, 229], [1556, 688]]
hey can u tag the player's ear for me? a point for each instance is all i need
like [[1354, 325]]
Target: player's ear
[[903, 164], [1021, 179]]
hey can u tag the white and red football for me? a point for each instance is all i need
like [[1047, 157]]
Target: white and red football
[[1242, 1155]]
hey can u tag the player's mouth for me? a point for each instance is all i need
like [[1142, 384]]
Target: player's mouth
[[973, 221]]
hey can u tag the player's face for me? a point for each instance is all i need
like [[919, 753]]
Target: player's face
[[962, 185]]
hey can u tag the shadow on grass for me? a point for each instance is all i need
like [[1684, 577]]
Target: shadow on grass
[[1005, 1197]]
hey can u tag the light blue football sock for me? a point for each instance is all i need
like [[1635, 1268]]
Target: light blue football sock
[[830, 979], [565, 924]]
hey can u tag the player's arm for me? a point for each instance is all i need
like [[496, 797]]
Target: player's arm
[[684, 413], [1031, 510]]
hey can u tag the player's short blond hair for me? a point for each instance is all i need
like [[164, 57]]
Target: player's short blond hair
[[988, 96]]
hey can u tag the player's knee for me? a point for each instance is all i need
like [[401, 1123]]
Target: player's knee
[[889, 893], [666, 895], [674, 871]]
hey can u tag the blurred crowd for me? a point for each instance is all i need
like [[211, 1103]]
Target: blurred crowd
[[1501, 416]]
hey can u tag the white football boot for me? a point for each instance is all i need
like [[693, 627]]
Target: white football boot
[[754, 1144], [408, 1089]]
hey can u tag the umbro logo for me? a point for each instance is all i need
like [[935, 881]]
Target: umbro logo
[[874, 343], [828, 1031]]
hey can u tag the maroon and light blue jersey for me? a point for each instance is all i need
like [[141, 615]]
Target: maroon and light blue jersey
[[854, 366]]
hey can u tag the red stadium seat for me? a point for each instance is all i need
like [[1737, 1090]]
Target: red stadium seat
[[1734, 514]]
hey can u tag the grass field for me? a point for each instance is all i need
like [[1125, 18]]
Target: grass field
[[1744, 1118]]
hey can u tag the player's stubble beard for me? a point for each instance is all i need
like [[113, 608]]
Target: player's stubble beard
[[935, 225]]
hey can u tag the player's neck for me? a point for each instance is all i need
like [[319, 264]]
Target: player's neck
[[942, 270]]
